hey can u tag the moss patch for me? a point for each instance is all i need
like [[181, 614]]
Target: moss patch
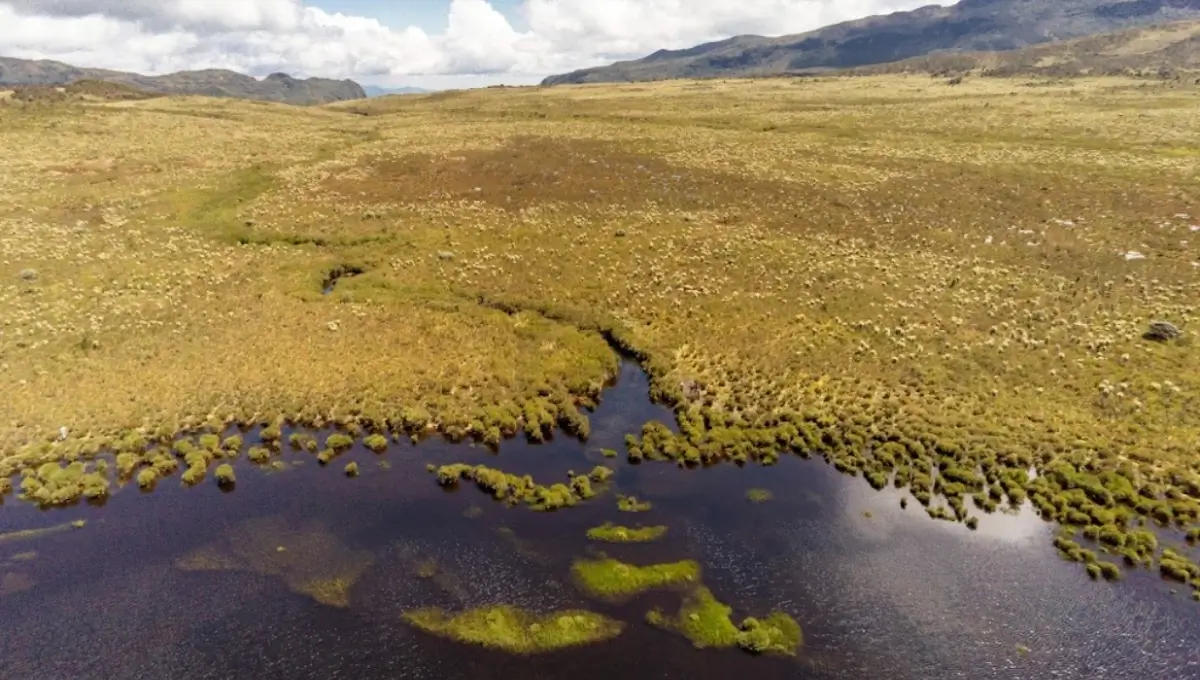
[[707, 622], [611, 579], [515, 630], [612, 533], [515, 489]]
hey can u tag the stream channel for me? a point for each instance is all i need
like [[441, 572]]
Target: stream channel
[[881, 592]]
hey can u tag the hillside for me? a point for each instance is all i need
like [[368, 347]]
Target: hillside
[[1168, 50], [970, 25], [277, 87]]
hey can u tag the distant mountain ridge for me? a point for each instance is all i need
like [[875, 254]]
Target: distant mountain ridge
[[970, 25], [376, 91], [277, 87], [1162, 51]]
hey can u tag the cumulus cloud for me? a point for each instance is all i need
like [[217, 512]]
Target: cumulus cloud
[[260, 36]]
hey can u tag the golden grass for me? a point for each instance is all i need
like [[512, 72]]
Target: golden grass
[[883, 257]]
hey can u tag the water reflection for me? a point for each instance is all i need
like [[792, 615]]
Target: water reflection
[[892, 595]]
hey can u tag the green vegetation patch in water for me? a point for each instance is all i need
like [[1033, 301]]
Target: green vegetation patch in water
[[632, 504], [612, 533], [52, 484], [611, 579], [515, 630], [706, 621], [518, 490]]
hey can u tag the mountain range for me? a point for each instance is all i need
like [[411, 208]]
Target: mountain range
[[969, 25], [277, 87], [1165, 50], [376, 91]]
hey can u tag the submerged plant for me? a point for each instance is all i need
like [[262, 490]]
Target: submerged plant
[[612, 533], [515, 630], [759, 495], [611, 579], [309, 559]]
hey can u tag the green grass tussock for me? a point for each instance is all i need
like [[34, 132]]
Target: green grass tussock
[[610, 579], [517, 631], [611, 533]]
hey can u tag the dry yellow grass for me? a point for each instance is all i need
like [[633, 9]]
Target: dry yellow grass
[[885, 254]]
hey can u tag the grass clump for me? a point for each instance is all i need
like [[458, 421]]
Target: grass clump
[[613, 580], [706, 622], [147, 478], [517, 631], [759, 495], [52, 484], [517, 490], [611, 533], [632, 504], [351, 469], [376, 442], [225, 475]]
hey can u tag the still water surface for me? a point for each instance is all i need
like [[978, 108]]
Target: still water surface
[[889, 595]]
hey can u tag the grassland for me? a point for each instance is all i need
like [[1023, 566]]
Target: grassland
[[937, 287]]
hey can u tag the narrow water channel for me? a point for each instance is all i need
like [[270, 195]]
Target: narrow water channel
[[881, 592]]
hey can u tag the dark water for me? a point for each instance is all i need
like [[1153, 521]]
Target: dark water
[[893, 595]]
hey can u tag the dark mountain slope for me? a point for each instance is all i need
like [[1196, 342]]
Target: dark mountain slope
[[1165, 50], [970, 25]]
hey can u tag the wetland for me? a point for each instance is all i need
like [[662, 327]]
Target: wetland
[[303, 572], [710, 380]]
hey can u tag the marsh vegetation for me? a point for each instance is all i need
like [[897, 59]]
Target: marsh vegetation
[[515, 630], [982, 353]]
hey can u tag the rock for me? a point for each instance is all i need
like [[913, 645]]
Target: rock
[[332, 325], [1162, 331], [1134, 255], [445, 255], [27, 275]]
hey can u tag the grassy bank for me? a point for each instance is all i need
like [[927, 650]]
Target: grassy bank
[[937, 288]]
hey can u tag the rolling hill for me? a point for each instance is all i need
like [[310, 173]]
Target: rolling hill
[[278, 87], [1167, 50], [970, 25]]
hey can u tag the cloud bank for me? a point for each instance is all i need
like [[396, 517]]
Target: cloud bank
[[261, 36]]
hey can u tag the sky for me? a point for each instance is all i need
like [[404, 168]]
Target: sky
[[434, 44]]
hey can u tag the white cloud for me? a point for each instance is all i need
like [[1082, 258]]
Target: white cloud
[[478, 45]]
